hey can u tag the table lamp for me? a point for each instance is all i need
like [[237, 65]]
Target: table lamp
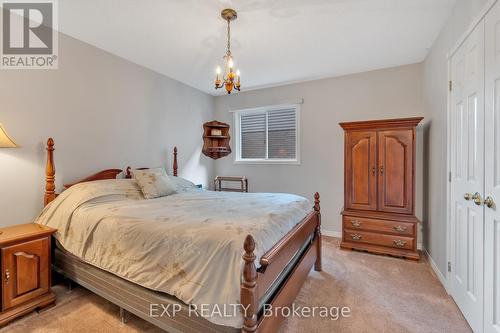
[[5, 140]]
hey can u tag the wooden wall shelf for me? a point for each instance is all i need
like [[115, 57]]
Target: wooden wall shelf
[[217, 136], [216, 139]]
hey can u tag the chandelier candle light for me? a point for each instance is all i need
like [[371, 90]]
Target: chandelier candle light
[[230, 79]]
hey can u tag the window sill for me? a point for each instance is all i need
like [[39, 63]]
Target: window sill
[[278, 162]]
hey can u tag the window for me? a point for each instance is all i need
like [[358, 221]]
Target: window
[[267, 135]]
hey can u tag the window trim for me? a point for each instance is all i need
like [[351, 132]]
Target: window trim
[[265, 109]]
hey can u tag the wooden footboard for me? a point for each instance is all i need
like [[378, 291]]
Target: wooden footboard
[[255, 282]]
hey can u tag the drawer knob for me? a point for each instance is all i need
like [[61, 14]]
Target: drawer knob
[[356, 223], [400, 228], [399, 243], [7, 276], [356, 236]]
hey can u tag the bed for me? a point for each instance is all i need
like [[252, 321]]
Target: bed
[[245, 248]]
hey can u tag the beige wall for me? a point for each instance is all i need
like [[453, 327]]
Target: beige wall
[[103, 112], [388, 93], [106, 112], [435, 102]]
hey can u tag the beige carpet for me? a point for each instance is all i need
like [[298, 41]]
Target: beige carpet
[[384, 294]]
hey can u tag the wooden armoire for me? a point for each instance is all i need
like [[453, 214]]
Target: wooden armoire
[[379, 187]]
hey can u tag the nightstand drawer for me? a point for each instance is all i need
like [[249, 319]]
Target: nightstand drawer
[[25, 271]]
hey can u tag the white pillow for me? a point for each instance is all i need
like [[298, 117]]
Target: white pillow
[[183, 185], [154, 183]]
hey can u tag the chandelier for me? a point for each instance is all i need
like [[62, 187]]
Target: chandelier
[[230, 79]]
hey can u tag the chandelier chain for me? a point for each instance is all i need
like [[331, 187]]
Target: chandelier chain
[[228, 37]]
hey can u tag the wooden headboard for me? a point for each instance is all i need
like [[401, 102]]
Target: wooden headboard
[[50, 174]]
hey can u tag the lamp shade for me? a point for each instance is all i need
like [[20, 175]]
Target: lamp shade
[[5, 140]]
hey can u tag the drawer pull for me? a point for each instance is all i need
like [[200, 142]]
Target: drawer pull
[[400, 228], [356, 236], [7, 276], [399, 243], [356, 223]]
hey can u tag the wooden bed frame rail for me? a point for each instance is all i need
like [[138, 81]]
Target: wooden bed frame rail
[[255, 282]]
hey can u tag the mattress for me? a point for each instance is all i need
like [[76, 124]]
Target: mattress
[[188, 245]]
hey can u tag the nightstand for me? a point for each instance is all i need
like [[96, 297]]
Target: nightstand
[[26, 270]]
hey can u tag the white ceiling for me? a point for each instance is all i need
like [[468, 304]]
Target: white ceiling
[[274, 41]]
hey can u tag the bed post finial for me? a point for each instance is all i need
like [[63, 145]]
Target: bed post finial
[[50, 174], [316, 202], [317, 209], [248, 287], [175, 161]]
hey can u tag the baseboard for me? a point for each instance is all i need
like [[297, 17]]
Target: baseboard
[[330, 233], [436, 270]]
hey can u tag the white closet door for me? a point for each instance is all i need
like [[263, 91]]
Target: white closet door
[[467, 218], [492, 171]]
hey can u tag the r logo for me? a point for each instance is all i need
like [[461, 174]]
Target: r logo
[[27, 28]]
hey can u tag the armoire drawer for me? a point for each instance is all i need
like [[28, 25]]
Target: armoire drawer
[[383, 226], [394, 241]]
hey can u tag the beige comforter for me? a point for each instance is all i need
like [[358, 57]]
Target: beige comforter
[[188, 244]]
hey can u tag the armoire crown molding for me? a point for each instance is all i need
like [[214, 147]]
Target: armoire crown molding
[[393, 123]]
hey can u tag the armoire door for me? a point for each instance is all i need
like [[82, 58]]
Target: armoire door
[[360, 170], [492, 173], [395, 171], [467, 168]]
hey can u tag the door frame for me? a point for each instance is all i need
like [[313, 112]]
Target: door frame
[[476, 20]]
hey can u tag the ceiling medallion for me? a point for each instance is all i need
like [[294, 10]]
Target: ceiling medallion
[[230, 79]]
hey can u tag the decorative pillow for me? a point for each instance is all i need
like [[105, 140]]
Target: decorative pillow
[[183, 185], [154, 183]]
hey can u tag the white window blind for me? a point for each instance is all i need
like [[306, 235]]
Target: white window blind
[[282, 134], [268, 134], [253, 136]]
